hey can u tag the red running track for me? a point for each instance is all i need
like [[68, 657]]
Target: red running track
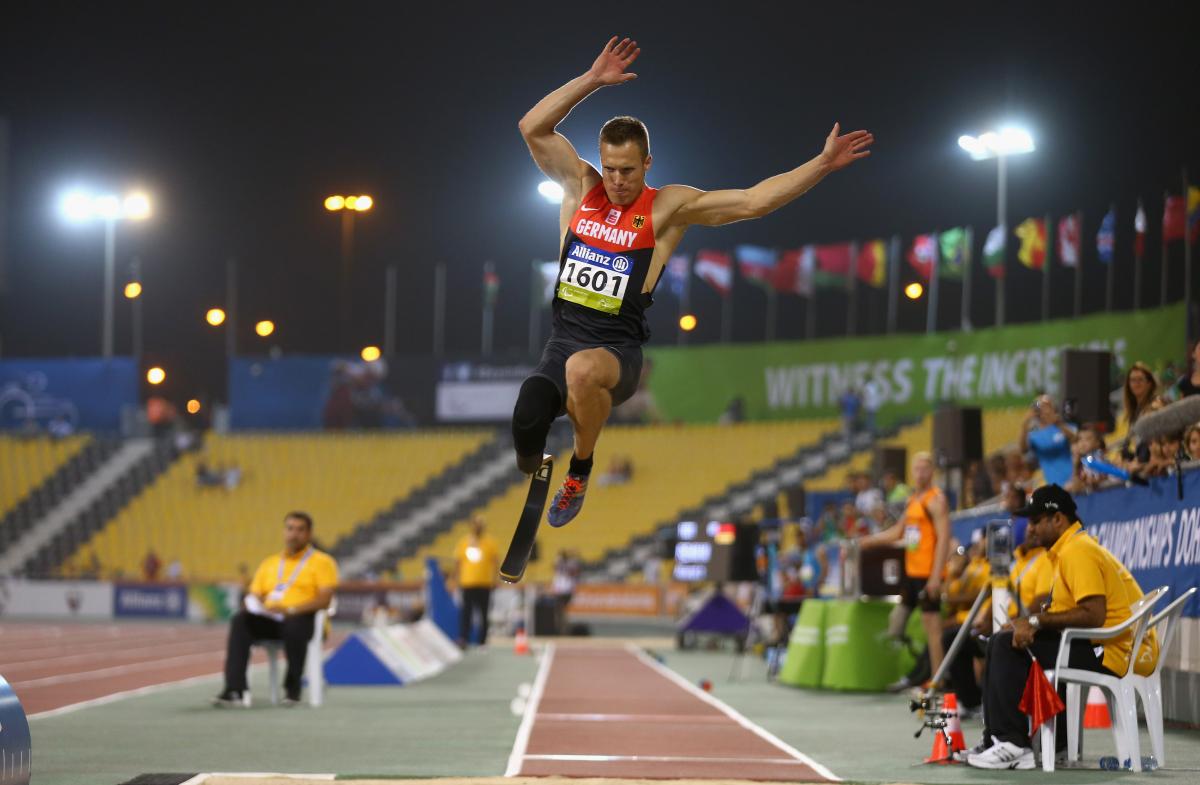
[[605, 712], [51, 666]]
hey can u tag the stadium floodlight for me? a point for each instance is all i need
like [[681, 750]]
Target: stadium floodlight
[[264, 328], [370, 353], [215, 317], [193, 406], [551, 191], [1009, 140], [133, 290], [156, 375], [81, 206], [914, 291]]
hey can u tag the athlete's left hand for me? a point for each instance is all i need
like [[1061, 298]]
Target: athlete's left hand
[[841, 151]]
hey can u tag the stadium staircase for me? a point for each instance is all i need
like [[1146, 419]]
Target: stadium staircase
[[96, 498], [36, 475], [413, 522], [833, 454]]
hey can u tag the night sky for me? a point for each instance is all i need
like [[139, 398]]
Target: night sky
[[240, 118]]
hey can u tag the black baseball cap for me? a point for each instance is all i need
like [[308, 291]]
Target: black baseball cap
[[1048, 499]]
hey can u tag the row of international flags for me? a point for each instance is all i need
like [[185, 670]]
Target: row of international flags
[[946, 254]]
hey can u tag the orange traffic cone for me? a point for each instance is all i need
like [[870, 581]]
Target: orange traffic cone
[[940, 752], [1096, 713], [521, 642]]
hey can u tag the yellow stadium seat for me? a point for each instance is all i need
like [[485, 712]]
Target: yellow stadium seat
[[26, 463]]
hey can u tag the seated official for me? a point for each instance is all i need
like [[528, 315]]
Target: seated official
[[1088, 588], [287, 591]]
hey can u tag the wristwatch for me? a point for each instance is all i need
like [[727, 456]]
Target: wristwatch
[[1035, 622]]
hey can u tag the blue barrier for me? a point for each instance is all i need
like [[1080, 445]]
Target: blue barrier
[[140, 600], [84, 393], [1149, 529]]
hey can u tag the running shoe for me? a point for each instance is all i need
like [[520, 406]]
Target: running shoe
[[232, 699], [568, 501], [1003, 755], [980, 748]]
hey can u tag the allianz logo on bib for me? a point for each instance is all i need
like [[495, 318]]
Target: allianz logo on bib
[[585, 253]]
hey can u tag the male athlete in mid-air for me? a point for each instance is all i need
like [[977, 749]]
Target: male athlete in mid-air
[[617, 235]]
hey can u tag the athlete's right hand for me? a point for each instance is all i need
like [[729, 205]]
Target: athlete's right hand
[[610, 66]]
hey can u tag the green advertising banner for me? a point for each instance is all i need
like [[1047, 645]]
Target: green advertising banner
[[1006, 366]]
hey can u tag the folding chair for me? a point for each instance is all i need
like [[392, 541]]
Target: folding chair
[[314, 661], [1149, 688]]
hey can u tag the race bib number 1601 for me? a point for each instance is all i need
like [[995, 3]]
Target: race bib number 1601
[[594, 279]]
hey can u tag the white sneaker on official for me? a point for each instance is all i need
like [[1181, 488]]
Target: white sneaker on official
[[1003, 755], [983, 746]]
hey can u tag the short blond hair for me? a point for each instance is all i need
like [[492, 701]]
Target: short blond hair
[[923, 455]]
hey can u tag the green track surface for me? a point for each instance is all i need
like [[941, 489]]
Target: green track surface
[[460, 724]]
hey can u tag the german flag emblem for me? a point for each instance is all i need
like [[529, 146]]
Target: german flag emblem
[[639, 221]]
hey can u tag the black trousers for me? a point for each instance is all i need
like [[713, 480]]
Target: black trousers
[[246, 628], [474, 599], [962, 668], [1004, 682]]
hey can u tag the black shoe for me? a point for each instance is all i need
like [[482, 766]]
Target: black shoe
[[232, 699], [292, 699]]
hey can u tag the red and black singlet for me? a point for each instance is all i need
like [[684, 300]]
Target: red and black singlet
[[605, 258]]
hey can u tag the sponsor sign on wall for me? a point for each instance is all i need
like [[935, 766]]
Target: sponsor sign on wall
[[71, 599], [147, 600]]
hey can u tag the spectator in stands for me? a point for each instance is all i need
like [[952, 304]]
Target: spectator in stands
[[1166, 453], [1140, 389], [924, 531], [1016, 469], [1139, 456], [1049, 438], [872, 402], [879, 519], [476, 562], [287, 591], [867, 497], [895, 491], [1189, 383], [853, 523], [829, 524], [735, 412], [850, 402], [1090, 589], [620, 471], [207, 478], [977, 485], [1089, 442], [151, 566], [60, 428], [175, 570], [1191, 442]]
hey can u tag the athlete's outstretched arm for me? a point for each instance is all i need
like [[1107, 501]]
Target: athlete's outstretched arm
[[715, 208], [552, 152]]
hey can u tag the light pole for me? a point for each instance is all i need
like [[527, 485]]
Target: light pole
[[347, 206], [83, 207], [1009, 140]]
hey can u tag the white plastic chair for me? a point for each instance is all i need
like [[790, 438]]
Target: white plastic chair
[[1149, 688], [1119, 689], [314, 661]]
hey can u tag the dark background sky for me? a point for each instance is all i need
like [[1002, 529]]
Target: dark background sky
[[241, 118]]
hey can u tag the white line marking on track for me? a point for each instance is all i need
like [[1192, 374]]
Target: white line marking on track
[[116, 670], [732, 713], [200, 779], [117, 696], [664, 759], [678, 719], [531, 706]]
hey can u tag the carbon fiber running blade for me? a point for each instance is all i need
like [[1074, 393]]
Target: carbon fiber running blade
[[517, 557]]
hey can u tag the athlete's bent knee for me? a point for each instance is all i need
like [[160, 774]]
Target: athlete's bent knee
[[583, 373], [538, 405]]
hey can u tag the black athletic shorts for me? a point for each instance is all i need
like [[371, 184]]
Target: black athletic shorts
[[912, 595], [553, 366]]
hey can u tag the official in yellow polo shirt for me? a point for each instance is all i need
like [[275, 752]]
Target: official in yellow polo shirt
[[477, 563], [287, 591], [1088, 590]]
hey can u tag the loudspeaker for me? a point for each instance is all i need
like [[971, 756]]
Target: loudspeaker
[[957, 435], [891, 459], [1086, 381]]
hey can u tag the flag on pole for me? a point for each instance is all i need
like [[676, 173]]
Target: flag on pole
[[923, 254], [794, 272], [1139, 232], [1174, 219], [545, 279], [677, 274], [756, 263], [1106, 237], [716, 269], [833, 264], [1068, 240], [872, 263], [953, 245], [1193, 213], [491, 284], [993, 252], [1032, 234], [1039, 699]]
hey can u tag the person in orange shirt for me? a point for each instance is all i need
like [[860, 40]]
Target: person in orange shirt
[[287, 591], [924, 531], [477, 563]]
